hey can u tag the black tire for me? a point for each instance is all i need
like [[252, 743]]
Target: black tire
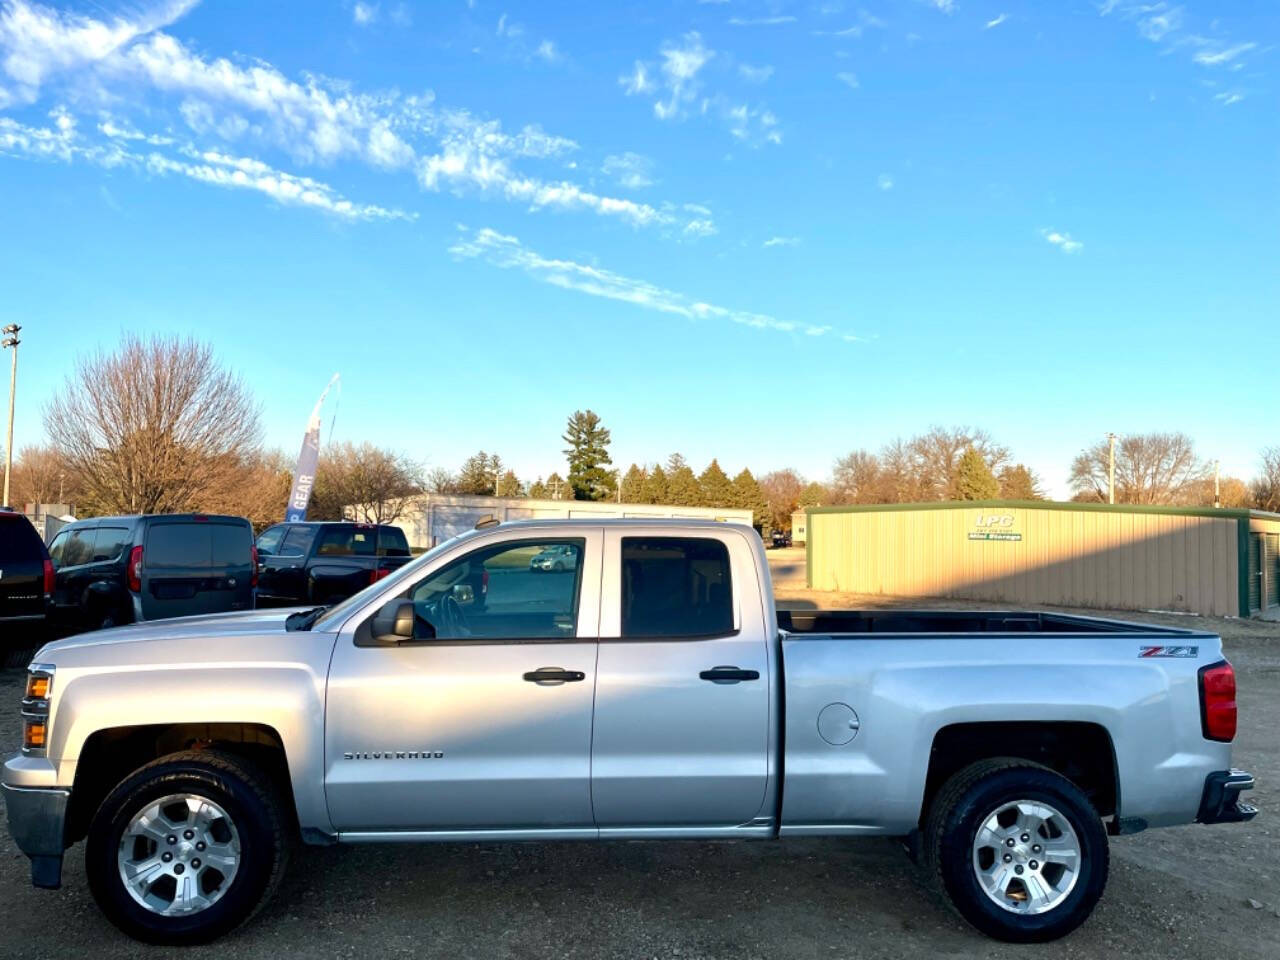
[[947, 843], [249, 799]]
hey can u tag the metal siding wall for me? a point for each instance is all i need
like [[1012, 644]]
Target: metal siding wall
[[1071, 558]]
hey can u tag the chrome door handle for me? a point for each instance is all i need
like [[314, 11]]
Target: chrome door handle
[[728, 675], [554, 676]]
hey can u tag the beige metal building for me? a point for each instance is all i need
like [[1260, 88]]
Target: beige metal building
[[1192, 560], [433, 518]]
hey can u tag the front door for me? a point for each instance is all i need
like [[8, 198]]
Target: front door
[[682, 690], [483, 721]]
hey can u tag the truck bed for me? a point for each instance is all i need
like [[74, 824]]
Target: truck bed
[[829, 622]]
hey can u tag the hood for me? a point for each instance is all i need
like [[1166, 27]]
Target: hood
[[237, 623]]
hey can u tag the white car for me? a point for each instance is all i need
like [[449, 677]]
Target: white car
[[556, 558]]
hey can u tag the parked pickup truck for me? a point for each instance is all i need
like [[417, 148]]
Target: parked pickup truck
[[651, 693], [325, 562]]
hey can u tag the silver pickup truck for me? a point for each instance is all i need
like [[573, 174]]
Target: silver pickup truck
[[647, 690]]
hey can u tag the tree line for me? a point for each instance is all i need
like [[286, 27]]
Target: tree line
[[159, 426]]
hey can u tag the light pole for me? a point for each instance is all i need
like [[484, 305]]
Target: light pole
[[10, 340], [1111, 470]]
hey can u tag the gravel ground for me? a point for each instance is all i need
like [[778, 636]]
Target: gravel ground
[[1183, 892]]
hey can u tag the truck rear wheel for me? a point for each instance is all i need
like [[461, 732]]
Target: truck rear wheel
[[1019, 850], [186, 848]]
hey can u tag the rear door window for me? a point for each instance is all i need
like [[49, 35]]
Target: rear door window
[[79, 548], [177, 545], [109, 543], [297, 542], [56, 548], [392, 542], [676, 587], [269, 542], [231, 544], [19, 541]]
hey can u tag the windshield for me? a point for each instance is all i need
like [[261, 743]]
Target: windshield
[[335, 615]]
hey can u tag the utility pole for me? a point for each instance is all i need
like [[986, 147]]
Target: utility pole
[[10, 340], [1111, 470], [1217, 498]]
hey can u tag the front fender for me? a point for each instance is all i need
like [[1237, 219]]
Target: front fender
[[287, 697]]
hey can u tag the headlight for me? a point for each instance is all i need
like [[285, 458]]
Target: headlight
[[35, 708]]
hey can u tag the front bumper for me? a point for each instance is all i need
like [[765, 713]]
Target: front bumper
[[37, 823], [1221, 803]]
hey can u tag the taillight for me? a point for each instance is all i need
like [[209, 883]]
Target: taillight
[[253, 560], [48, 576], [1218, 701], [376, 575], [135, 569]]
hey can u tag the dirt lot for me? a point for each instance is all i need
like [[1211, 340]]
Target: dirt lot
[[1173, 893]]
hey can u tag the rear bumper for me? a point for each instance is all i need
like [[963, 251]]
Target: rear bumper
[[1220, 802], [37, 823]]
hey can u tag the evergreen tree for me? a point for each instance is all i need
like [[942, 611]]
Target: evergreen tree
[[715, 486], [538, 490], [557, 488], [683, 489], [588, 454], [814, 495], [747, 495], [633, 485], [655, 486], [1019, 483], [974, 479], [478, 475], [675, 462], [508, 485]]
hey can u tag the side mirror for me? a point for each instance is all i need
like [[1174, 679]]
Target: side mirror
[[394, 622], [464, 592]]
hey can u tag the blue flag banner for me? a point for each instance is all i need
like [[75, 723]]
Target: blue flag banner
[[304, 474]]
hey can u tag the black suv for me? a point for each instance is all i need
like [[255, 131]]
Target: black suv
[[26, 577], [115, 570], [326, 562]]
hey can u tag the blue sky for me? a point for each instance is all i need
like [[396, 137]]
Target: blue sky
[[765, 231]]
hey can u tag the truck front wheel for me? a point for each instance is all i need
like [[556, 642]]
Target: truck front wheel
[[1018, 849], [186, 848]]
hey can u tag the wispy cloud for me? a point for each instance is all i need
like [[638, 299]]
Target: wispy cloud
[[314, 120], [996, 21], [364, 13], [1228, 97], [508, 253], [676, 78], [754, 74], [1062, 241], [781, 242], [1215, 58], [62, 141], [884, 182], [760, 21], [946, 6], [547, 51], [631, 170], [849, 79]]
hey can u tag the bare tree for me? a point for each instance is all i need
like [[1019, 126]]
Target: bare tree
[[40, 476], [1150, 468], [935, 457], [151, 427], [258, 490], [368, 482], [781, 489], [440, 480], [856, 478], [1266, 486]]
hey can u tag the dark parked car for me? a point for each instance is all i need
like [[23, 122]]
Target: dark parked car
[[114, 570], [325, 562], [26, 576], [781, 538]]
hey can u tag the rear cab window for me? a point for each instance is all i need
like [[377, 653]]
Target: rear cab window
[[297, 542], [676, 587], [347, 541], [392, 542]]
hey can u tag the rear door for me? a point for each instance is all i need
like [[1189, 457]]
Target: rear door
[[22, 556], [269, 542], [195, 565], [681, 727]]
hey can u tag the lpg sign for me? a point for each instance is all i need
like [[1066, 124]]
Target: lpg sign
[[995, 526]]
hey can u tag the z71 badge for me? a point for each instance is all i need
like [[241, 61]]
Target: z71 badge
[[1168, 651]]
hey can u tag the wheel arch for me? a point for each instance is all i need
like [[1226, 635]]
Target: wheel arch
[[1082, 752]]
